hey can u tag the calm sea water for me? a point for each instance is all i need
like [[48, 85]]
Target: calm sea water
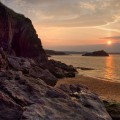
[[105, 67]]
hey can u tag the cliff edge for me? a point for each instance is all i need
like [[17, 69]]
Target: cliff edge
[[18, 36]]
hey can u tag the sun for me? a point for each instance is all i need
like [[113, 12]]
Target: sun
[[109, 42]]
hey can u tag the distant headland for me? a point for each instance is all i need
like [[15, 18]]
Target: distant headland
[[96, 53]]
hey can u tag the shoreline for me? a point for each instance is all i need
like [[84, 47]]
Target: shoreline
[[106, 90]]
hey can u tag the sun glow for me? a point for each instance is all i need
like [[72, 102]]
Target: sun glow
[[109, 42]]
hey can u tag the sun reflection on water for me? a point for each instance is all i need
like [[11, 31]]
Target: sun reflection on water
[[109, 71]]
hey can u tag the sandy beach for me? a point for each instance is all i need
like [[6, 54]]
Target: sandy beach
[[107, 90]]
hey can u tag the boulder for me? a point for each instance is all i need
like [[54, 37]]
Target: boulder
[[60, 69], [113, 109]]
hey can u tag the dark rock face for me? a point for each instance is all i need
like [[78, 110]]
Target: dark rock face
[[30, 68], [9, 110], [96, 53], [24, 94], [49, 72], [60, 69], [113, 109], [18, 36]]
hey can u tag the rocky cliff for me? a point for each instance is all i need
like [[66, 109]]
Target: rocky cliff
[[18, 36], [24, 72]]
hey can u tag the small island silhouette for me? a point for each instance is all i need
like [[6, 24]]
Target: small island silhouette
[[96, 53]]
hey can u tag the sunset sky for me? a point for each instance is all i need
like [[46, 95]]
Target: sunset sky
[[72, 24]]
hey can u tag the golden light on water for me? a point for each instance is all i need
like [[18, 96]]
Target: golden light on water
[[109, 73], [109, 64]]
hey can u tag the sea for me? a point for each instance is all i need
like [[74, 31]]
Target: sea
[[106, 68]]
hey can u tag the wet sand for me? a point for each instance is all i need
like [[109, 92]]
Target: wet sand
[[107, 90]]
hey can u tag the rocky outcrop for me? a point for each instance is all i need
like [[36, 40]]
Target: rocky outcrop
[[85, 68], [19, 39], [49, 72], [9, 110], [96, 53], [60, 69], [24, 72], [18, 36], [113, 109], [25, 97]]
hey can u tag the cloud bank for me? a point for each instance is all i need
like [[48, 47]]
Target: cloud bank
[[69, 13], [112, 37]]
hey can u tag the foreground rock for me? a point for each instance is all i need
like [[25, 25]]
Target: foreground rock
[[60, 69], [113, 108], [28, 98], [25, 73], [48, 72], [9, 110], [96, 53]]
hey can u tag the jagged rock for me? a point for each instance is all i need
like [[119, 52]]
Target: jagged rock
[[59, 69], [48, 72], [28, 67], [19, 63], [45, 75], [9, 110], [18, 36], [39, 101], [3, 63], [35, 100], [56, 93], [88, 99]]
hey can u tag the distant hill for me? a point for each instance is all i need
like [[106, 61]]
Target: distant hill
[[52, 52], [113, 48]]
